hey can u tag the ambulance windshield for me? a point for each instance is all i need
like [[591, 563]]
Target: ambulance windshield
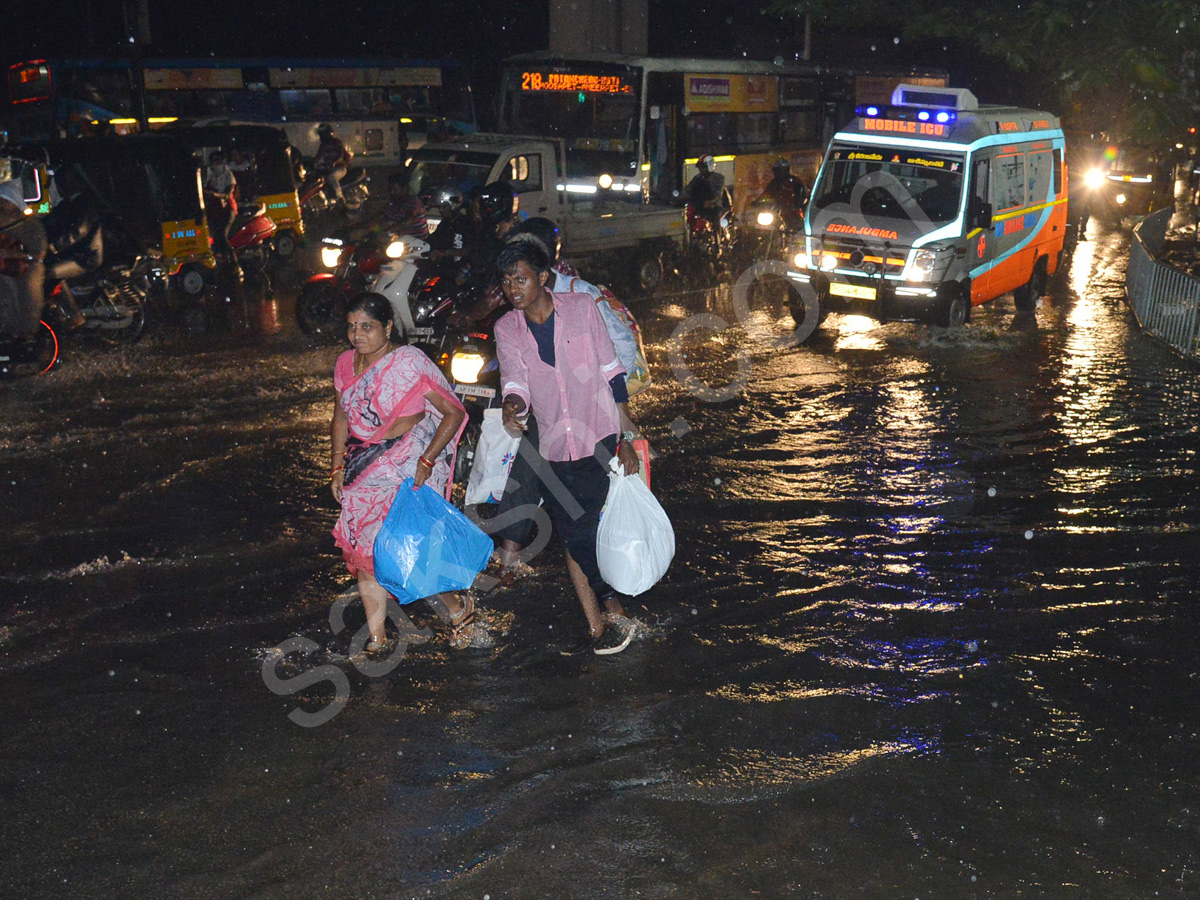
[[882, 182]]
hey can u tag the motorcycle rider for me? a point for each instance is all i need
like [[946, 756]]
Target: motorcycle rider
[[706, 192], [332, 161], [404, 213], [22, 258], [495, 211], [75, 234], [788, 193]]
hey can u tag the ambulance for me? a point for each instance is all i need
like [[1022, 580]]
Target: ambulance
[[932, 205]]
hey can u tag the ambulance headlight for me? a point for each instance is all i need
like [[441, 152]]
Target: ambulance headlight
[[801, 260], [465, 367], [828, 262], [1093, 179], [928, 265], [766, 219], [330, 256]]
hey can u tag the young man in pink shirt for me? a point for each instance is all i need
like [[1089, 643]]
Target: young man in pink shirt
[[558, 362]]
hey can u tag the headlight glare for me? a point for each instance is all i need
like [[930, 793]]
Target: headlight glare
[[465, 367], [828, 262], [766, 219], [395, 249], [330, 256]]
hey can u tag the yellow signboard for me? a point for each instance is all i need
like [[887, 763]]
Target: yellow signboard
[[732, 93]]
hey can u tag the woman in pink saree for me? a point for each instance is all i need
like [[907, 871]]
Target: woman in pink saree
[[395, 418]]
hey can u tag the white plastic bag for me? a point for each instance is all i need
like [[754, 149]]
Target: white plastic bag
[[635, 542], [494, 455]]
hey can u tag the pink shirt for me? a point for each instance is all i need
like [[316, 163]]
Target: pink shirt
[[572, 399]]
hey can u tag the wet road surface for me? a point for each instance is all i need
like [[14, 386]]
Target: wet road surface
[[929, 633]]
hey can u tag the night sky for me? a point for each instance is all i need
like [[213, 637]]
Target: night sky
[[476, 32]]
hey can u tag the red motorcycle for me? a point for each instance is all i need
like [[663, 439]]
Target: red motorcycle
[[708, 245], [251, 240], [320, 309]]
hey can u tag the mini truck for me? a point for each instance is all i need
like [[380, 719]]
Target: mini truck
[[932, 205], [609, 229]]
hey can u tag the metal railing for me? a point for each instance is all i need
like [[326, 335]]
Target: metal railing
[[1164, 299]]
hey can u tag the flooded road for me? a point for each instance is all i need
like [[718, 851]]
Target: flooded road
[[929, 633]]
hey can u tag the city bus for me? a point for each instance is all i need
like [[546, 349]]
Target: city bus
[[635, 126], [379, 108]]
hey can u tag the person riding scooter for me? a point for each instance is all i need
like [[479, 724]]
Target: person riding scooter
[[332, 161], [22, 259], [788, 192]]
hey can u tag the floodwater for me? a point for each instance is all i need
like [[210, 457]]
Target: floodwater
[[930, 632]]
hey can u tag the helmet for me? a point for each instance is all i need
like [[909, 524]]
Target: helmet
[[497, 202], [543, 230], [706, 162], [781, 165], [447, 198], [324, 130]]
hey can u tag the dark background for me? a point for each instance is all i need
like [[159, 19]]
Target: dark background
[[477, 33]]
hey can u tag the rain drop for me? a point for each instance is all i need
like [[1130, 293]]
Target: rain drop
[[991, 492], [1029, 535], [716, 481]]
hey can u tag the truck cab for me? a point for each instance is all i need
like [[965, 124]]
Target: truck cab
[[934, 204], [604, 227]]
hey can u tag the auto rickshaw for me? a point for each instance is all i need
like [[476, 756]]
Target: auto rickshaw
[[262, 162], [150, 184]]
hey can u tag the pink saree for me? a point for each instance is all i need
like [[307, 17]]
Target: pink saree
[[392, 388]]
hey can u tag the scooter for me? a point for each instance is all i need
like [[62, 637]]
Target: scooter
[[250, 239], [400, 278], [355, 192]]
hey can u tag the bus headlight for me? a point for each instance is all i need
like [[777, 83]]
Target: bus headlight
[[465, 367], [828, 262], [766, 219], [330, 256], [1093, 179], [395, 249]]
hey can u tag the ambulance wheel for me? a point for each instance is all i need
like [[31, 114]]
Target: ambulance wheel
[[1025, 297], [953, 310]]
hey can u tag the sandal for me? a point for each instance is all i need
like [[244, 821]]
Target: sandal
[[462, 625]]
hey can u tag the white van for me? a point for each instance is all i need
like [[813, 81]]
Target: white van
[[934, 204]]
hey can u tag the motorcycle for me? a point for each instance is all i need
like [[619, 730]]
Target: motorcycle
[[113, 300], [707, 244], [321, 306], [313, 198], [473, 370]]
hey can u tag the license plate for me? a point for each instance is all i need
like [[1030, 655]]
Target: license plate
[[421, 332], [474, 390], [852, 290]]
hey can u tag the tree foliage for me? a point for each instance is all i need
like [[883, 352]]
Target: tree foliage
[[1126, 67]]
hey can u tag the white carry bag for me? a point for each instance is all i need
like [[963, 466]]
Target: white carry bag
[[494, 455], [635, 542]]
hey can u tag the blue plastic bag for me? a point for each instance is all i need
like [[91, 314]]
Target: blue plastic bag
[[427, 546]]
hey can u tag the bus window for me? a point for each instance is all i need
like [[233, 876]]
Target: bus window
[[710, 132], [979, 215], [305, 104], [1058, 179], [755, 132]]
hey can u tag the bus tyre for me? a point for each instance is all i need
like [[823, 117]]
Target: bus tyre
[[953, 309], [1025, 297]]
